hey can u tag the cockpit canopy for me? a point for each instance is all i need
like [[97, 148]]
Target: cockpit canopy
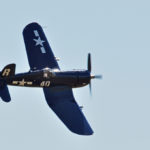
[[47, 72]]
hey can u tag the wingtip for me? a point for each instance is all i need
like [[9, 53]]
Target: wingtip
[[31, 24], [85, 133], [86, 129]]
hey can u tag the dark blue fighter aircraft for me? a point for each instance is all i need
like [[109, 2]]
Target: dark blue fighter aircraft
[[45, 73]]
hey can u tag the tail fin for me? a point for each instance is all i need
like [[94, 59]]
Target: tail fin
[[9, 70], [4, 94]]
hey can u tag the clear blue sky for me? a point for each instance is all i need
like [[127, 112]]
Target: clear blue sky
[[117, 33]]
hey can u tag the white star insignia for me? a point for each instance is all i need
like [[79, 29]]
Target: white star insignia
[[39, 41]]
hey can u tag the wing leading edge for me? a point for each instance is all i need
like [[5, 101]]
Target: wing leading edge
[[38, 50], [61, 101]]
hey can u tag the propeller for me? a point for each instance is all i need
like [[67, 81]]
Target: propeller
[[89, 62], [92, 76]]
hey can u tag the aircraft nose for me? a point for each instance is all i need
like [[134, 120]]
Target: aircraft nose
[[84, 77]]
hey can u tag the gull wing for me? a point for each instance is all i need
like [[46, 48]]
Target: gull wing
[[61, 100], [38, 50]]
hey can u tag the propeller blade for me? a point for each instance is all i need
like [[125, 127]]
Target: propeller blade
[[90, 88], [89, 62]]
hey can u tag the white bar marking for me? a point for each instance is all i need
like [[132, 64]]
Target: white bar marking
[[43, 50], [36, 33]]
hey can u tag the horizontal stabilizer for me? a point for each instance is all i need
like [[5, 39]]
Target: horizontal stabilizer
[[4, 94]]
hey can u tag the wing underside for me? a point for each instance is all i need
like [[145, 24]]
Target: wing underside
[[38, 50], [62, 102], [60, 99]]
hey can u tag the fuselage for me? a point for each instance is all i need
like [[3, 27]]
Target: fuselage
[[48, 77]]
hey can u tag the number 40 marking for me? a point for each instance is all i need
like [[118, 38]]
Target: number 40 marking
[[45, 83]]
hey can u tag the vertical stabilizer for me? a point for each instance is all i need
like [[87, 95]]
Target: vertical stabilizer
[[9, 70]]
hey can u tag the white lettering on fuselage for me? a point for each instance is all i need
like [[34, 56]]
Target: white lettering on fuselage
[[45, 83]]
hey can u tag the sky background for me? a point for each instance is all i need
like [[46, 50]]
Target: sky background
[[117, 33]]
